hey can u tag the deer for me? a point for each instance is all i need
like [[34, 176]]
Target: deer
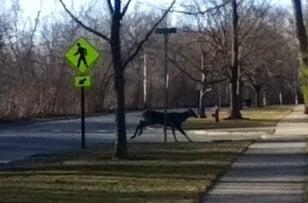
[[174, 120]]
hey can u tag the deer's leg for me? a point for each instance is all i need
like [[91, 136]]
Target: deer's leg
[[179, 128], [173, 131], [141, 125], [136, 131], [140, 128]]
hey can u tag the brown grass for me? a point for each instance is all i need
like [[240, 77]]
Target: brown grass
[[154, 173], [252, 117]]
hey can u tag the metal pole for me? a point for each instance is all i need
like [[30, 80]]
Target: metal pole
[[202, 89], [83, 146], [166, 86]]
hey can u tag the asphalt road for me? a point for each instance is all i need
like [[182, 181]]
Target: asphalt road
[[21, 139], [24, 138]]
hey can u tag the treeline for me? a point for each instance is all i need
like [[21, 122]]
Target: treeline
[[35, 81]]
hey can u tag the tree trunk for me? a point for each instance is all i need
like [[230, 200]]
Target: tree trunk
[[235, 108], [302, 38], [241, 83], [259, 97], [121, 144], [230, 95], [121, 148], [202, 104]]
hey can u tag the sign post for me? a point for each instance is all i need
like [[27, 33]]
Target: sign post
[[81, 56], [83, 126]]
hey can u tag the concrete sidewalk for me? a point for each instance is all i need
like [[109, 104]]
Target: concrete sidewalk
[[272, 170]]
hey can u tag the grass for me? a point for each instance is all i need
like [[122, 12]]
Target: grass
[[253, 117], [153, 173]]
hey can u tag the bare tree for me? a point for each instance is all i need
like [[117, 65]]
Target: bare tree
[[213, 38], [119, 63], [194, 57]]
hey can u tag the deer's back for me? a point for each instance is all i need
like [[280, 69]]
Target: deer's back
[[153, 116], [158, 117]]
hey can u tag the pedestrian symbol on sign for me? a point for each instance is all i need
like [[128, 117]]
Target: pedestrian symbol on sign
[[82, 56], [82, 52]]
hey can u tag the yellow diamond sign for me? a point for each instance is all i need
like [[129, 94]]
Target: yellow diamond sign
[[81, 56]]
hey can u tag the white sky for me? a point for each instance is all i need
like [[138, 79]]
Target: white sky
[[30, 7], [49, 6], [52, 6], [286, 3]]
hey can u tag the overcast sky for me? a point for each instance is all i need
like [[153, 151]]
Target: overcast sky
[[30, 7], [48, 6]]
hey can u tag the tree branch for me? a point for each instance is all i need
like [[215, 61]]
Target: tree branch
[[147, 36], [200, 12], [188, 59], [184, 71], [111, 10], [83, 25], [219, 80], [253, 25], [37, 19], [125, 9]]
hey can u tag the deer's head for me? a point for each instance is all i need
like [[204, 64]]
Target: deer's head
[[192, 113]]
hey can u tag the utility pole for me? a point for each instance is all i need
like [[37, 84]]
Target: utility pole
[[295, 86], [145, 79], [264, 98], [202, 90], [165, 32]]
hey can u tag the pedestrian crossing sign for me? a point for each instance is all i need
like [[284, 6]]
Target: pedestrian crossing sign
[[82, 56], [83, 81]]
